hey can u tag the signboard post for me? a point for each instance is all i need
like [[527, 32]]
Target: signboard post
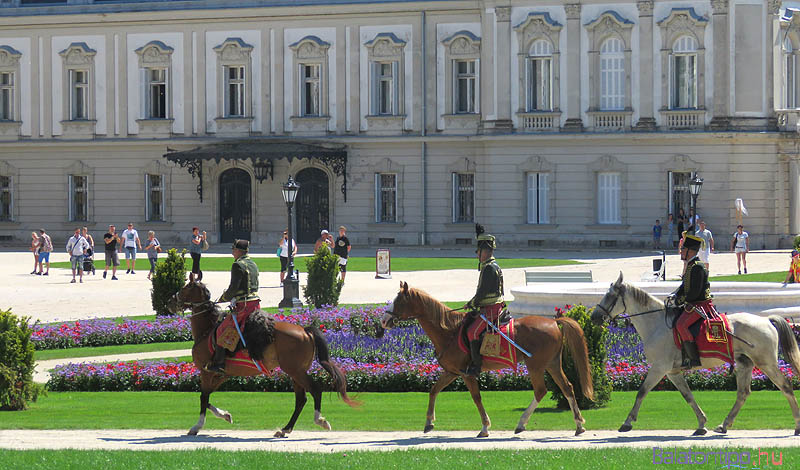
[[383, 263]]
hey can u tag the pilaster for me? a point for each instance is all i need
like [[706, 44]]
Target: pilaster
[[647, 121], [497, 77], [722, 51], [573, 58]]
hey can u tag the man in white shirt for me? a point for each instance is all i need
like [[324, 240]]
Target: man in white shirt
[[708, 243], [76, 247], [130, 238]]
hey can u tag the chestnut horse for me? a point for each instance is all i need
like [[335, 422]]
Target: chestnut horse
[[292, 348], [542, 337]]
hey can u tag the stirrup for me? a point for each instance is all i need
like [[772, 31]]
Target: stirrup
[[215, 368]]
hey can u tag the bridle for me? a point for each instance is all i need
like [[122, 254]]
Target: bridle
[[617, 294], [198, 308]]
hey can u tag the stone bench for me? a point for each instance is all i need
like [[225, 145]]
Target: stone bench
[[557, 276]]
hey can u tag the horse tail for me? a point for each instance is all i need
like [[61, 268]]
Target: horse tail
[[787, 341], [324, 359], [576, 342]]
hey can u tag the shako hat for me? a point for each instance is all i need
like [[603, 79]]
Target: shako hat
[[485, 240], [690, 240], [243, 245]]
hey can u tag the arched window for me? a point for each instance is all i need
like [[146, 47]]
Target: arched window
[[789, 74], [540, 76], [612, 75], [684, 73]]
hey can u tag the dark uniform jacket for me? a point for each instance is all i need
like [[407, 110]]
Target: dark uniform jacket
[[695, 287], [244, 281], [490, 285]]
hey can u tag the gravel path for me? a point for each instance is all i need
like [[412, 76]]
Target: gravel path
[[319, 441]]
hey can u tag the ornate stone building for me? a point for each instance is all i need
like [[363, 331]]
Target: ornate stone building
[[554, 124]]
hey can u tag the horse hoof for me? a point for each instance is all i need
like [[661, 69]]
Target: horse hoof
[[797, 432], [326, 425], [281, 434], [719, 429], [700, 432], [227, 417], [192, 432], [518, 430], [483, 434], [428, 428], [625, 428], [579, 431]]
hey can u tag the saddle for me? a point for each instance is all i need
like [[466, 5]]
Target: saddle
[[494, 347]]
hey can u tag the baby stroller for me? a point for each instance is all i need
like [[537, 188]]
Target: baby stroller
[[88, 261]]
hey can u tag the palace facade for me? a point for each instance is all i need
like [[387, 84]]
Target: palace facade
[[554, 124]]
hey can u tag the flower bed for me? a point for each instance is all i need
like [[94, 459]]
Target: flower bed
[[107, 332]]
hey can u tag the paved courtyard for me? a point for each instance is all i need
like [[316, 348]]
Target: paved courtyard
[[54, 298]]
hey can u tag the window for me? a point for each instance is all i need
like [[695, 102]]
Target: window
[[463, 197], [679, 195], [538, 198], [310, 90], [155, 197], [156, 93], [7, 96], [385, 197], [78, 197], [464, 86], [612, 75], [789, 75], [235, 91], [385, 90], [608, 198], [684, 73], [79, 94], [5, 198], [540, 77]]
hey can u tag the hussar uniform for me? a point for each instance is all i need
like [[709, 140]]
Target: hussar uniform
[[487, 301], [243, 294]]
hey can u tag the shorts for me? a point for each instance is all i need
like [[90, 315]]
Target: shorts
[[343, 265], [740, 250], [76, 262], [704, 255], [112, 258], [130, 252], [44, 257], [284, 263]]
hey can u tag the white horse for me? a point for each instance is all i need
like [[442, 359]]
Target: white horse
[[764, 334]]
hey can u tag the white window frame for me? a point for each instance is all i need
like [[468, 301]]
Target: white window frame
[[73, 191], [469, 78], [612, 75], [458, 189], [7, 192], [79, 94], [313, 82], [538, 197], [539, 96], [150, 187], [379, 92], [151, 85], [381, 190], [235, 92], [7, 95], [609, 197], [684, 49]]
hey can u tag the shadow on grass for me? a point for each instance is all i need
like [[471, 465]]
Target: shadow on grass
[[203, 439]]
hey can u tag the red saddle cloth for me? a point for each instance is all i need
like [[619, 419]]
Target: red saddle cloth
[[712, 339], [505, 353], [240, 358]]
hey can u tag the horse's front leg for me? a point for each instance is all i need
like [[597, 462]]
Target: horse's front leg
[[444, 380], [475, 391], [680, 383], [654, 375]]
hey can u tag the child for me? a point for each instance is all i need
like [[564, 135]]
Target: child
[[153, 247], [657, 235]]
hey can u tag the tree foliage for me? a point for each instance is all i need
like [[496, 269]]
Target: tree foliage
[[17, 387], [323, 286], [168, 278]]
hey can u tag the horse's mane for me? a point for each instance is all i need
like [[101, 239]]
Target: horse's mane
[[641, 296], [439, 313]]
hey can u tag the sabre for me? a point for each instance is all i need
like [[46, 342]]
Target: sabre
[[511, 341]]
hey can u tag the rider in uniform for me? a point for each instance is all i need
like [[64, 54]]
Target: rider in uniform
[[693, 297], [243, 294], [488, 299]]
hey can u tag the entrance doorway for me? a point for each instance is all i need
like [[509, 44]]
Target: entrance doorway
[[311, 204], [235, 205]]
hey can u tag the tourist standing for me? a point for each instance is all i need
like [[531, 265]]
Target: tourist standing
[[46, 246], [670, 232], [76, 247], [793, 276], [35, 251], [342, 249], [196, 243], [657, 235], [741, 245], [111, 240], [681, 227], [152, 249], [283, 253], [130, 240], [708, 244], [324, 239]]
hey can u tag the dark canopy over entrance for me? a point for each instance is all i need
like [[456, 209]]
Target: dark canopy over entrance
[[263, 153]]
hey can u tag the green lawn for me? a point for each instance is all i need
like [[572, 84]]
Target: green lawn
[[382, 411], [354, 264], [48, 354], [777, 276], [616, 459]]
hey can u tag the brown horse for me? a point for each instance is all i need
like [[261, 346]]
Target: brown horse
[[542, 337], [292, 348]]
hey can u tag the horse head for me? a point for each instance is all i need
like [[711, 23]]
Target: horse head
[[193, 293], [399, 309], [607, 308]]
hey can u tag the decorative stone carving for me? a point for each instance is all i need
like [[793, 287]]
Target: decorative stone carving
[[719, 7], [310, 47], [610, 24], [385, 46], [154, 54], [502, 14], [462, 44], [78, 53], [645, 7], [234, 50], [573, 11], [9, 57], [774, 6], [683, 21], [537, 25]]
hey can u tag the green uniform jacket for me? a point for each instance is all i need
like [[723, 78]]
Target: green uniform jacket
[[695, 286], [490, 285], [244, 281]]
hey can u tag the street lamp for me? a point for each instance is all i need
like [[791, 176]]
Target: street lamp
[[291, 285], [695, 185]]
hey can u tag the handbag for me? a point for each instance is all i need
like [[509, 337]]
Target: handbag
[[205, 244]]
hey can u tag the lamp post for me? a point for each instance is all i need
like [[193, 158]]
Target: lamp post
[[291, 285], [695, 185]]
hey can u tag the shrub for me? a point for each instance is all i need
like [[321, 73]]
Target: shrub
[[16, 363], [323, 286], [169, 277], [796, 242], [596, 342]]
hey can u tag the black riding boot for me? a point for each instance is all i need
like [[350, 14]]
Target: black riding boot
[[217, 364], [691, 358], [474, 368]]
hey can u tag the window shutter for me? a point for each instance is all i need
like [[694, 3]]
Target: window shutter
[[543, 200], [144, 95], [71, 196], [167, 94], [395, 88], [532, 203], [477, 96]]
